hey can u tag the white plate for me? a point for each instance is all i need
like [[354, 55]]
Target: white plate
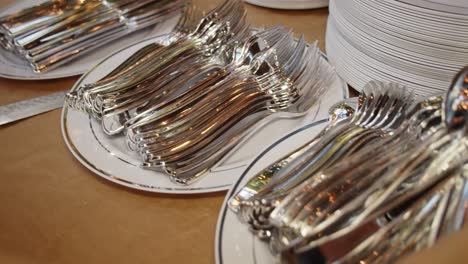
[[234, 243], [290, 4], [13, 67], [108, 156]]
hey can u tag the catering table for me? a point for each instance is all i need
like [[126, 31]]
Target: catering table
[[54, 210]]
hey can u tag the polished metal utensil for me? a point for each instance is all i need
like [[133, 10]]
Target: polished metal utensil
[[338, 113], [378, 114], [158, 66], [55, 32], [187, 165], [364, 242], [185, 102], [356, 176], [398, 206]]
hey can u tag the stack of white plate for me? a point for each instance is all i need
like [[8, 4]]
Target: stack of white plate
[[419, 43], [290, 4]]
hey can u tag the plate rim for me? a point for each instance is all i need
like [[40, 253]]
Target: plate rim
[[113, 178], [142, 187]]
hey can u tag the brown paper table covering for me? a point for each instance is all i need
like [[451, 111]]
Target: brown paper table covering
[[54, 210]]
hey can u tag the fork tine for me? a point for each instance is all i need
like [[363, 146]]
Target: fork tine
[[289, 65]]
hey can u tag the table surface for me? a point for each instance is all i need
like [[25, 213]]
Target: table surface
[[54, 210]]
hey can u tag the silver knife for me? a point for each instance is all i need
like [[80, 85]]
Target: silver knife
[[31, 107]]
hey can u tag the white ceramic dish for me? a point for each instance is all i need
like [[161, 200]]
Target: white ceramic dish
[[290, 4], [109, 158], [396, 41], [234, 243], [13, 67]]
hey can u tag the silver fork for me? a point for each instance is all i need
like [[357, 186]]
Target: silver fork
[[223, 77], [47, 39], [188, 163], [92, 38], [134, 76], [255, 89], [409, 131], [434, 163]]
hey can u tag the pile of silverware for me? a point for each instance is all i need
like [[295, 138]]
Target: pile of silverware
[[381, 181], [57, 31], [184, 105]]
